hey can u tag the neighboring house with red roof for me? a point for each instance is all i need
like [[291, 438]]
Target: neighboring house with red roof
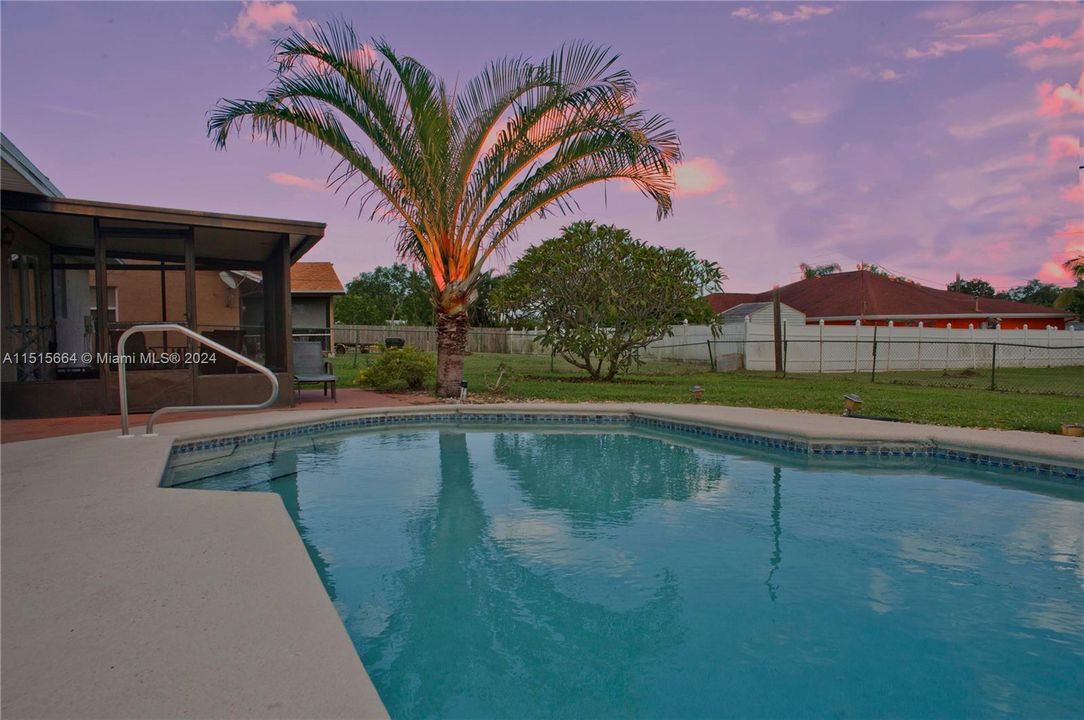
[[874, 299], [313, 288]]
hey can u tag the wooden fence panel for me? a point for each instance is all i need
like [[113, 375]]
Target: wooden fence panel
[[485, 340]]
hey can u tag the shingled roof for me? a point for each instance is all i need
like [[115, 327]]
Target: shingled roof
[[863, 294], [315, 278]]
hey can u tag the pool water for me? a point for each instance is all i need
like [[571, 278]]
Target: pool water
[[612, 573]]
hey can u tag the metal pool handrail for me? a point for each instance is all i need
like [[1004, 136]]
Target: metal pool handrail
[[174, 327]]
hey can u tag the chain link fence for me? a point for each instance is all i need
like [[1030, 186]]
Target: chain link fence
[[1009, 367], [1049, 363]]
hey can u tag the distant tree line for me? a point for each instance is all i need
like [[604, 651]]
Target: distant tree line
[[1033, 292], [401, 294]]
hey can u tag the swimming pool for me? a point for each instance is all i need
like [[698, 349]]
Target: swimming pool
[[503, 571]]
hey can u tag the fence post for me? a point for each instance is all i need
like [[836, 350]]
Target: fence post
[[888, 357], [744, 345], [857, 333], [948, 337], [918, 361], [1027, 347], [820, 345], [971, 342], [1048, 361], [784, 348], [993, 367], [873, 357], [1000, 339]]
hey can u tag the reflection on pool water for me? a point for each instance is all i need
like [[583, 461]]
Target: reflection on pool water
[[489, 572]]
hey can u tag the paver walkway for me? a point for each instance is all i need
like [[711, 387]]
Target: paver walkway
[[311, 399]]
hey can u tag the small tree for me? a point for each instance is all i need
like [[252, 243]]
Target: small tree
[[871, 268], [599, 296], [387, 293], [1034, 292], [813, 271], [975, 286]]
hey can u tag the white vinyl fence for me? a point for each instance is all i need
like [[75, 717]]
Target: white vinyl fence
[[807, 348], [853, 348]]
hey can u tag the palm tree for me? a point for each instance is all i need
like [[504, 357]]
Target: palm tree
[[460, 169], [812, 271], [1072, 298], [1076, 267]]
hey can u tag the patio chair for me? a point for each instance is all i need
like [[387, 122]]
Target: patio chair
[[310, 366]]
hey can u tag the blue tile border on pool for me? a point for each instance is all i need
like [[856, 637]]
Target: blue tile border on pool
[[802, 447]]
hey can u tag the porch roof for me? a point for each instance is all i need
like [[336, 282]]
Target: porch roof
[[140, 231]]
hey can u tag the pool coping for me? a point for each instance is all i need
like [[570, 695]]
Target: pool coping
[[1061, 460], [122, 598]]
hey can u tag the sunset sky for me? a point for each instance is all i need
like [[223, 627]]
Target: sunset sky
[[928, 138]]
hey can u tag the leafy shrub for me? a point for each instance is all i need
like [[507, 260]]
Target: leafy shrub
[[405, 368], [599, 297]]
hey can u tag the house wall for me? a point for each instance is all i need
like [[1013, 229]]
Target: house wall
[[766, 315]]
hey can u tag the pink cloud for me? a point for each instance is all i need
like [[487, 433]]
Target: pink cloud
[[699, 176], [810, 115], [983, 126], [802, 13], [961, 27], [1050, 42], [1065, 146], [1074, 193], [1073, 234], [1070, 244], [281, 178], [1064, 99], [258, 19], [881, 75], [936, 49], [1052, 272], [1052, 51]]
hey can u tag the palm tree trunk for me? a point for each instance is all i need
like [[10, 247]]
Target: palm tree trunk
[[451, 347]]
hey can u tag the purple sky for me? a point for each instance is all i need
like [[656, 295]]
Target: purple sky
[[928, 138]]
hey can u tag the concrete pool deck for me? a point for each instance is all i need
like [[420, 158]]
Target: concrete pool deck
[[125, 599]]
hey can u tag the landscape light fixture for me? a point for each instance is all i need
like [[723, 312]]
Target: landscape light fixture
[[854, 403], [697, 392]]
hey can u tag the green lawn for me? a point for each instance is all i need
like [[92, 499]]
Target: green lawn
[[530, 377]]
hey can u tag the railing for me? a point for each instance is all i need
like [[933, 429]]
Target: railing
[[218, 348]]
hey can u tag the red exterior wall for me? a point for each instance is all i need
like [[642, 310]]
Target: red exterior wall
[[1006, 324]]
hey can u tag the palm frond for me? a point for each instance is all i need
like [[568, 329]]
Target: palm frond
[[460, 172]]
